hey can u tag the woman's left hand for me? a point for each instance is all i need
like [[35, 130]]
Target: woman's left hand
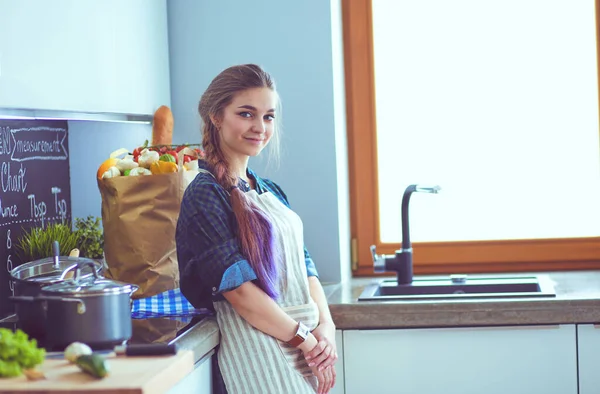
[[325, 353]]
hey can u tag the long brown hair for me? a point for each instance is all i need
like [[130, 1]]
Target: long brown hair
[[255, 230]]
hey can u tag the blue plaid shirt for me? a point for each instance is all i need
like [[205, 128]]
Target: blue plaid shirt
[[209, 255]]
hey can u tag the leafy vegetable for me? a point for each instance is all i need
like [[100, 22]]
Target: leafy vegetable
[[9, 369], [18, 352]]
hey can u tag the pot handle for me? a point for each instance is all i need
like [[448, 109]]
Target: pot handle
[[80, 307], [80, 266], [67, 271]]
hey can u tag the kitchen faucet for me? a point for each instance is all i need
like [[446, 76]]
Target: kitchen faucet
[[401, 262]]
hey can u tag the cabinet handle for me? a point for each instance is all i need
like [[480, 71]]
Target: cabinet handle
[[468, 328], [504, 328]]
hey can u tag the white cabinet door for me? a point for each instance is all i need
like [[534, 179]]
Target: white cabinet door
[[494, 360], [89, 56], [588, 344], [199, 381], [339, 366]]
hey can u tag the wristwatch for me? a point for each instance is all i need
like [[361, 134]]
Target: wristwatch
[[301, 335]]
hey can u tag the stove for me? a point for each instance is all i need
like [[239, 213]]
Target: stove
[[144, 331]]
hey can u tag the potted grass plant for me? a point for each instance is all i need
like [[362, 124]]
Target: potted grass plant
[[36, 243], [86, 235]]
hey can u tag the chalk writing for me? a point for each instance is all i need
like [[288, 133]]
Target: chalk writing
[[39, 143], [5, 139], [9, 211], [60, 206], [9, 264], [13, 182]]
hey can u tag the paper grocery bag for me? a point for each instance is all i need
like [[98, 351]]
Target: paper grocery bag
[[139, 216]]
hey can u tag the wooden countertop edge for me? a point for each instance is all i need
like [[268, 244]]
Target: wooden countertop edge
[[170, 376], [173, 369], [497, 313], [577, 301]]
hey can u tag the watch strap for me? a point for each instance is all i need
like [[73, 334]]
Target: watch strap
[[301, 334]]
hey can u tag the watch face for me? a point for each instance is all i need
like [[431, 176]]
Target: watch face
[[303, 331], [301, 335]]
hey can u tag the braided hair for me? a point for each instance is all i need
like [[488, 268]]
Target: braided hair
[[254, 229]]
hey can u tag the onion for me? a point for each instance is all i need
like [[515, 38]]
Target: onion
[[75, 350]]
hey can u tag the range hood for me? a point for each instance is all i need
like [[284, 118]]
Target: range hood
[[26, 113]]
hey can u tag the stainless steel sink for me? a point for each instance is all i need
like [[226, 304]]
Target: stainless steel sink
[[460, 287]]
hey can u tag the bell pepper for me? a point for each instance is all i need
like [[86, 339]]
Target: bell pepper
[[168, 157], [163, 167]]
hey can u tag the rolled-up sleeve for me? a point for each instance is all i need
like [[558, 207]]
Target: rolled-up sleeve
[[235, 275], [311, 270], [208, 252]]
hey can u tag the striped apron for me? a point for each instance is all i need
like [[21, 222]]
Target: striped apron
[[251, 361]]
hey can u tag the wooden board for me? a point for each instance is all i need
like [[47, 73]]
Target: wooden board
[[128, 375]]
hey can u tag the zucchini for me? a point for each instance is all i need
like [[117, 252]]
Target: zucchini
[[94, 364]]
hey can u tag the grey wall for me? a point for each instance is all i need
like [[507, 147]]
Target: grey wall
[[300, 44]]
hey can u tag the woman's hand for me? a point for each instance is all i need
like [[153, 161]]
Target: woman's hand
[[325, 378], [323, 355]]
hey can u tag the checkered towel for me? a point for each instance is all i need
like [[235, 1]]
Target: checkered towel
[[167, 304]]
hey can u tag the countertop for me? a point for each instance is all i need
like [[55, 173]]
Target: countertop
[[201, 339], [577, 301], [134, 375]]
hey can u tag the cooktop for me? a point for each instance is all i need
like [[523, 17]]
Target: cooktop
[[144, 331]]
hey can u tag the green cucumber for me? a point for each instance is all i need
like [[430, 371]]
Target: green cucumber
[[94, 364]]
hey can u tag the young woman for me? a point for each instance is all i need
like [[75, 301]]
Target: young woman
[[241, 250]]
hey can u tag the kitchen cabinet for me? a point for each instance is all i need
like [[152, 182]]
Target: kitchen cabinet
[[339, 366], [491, 360], [199, 381], [588, 348], [89, 56]]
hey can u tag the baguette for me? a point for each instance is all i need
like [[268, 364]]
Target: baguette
[[162, 126]]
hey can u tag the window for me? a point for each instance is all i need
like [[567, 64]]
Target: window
[[497, 101]]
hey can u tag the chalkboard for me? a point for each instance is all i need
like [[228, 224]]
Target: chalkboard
[[35, 187]]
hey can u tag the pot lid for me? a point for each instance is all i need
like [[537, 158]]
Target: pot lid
[[45, 271], [89, 286], [80, 286]]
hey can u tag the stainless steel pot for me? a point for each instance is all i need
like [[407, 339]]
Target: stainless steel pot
[[29, 278], [93, 310]]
